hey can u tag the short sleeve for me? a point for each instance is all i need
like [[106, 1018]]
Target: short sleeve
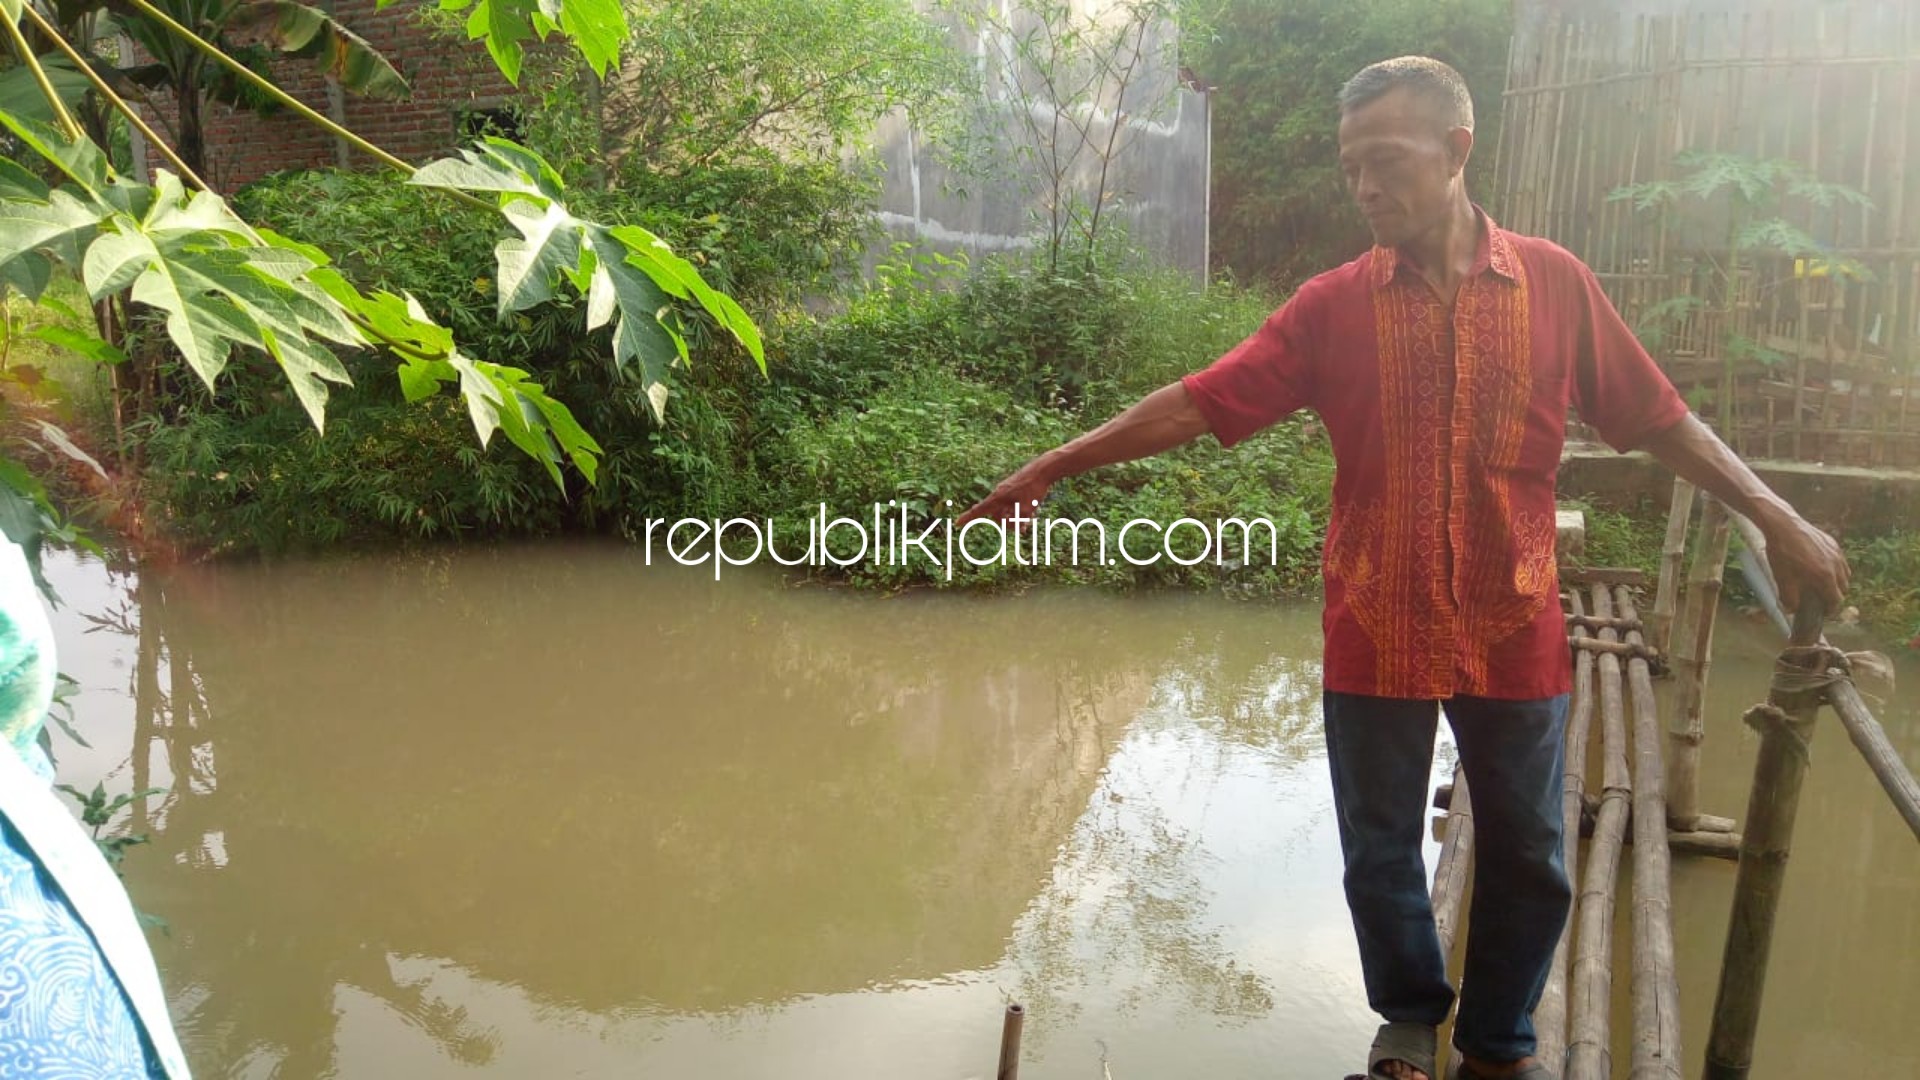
[[1617, 386], [1263, 379]]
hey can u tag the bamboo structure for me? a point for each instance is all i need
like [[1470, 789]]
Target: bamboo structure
[[1693, 657], [1656, 985], [1672, 553], [1871, 740], [1786, 732], [1010, 1042], [1589, 1052], [1550, 1016], [1802, 348]]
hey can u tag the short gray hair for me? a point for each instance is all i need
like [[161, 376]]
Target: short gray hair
[[1428, 79]]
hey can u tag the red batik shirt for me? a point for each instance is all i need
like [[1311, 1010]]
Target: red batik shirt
[[1447, 428]]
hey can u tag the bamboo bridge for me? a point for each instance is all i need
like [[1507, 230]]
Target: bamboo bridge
[[1647, 799]]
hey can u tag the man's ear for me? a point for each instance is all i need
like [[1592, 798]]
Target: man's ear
[[1459, 148]]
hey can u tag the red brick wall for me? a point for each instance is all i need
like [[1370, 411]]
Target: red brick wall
[[448, 75]]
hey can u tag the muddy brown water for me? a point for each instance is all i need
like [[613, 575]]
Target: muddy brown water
[[547, 812]]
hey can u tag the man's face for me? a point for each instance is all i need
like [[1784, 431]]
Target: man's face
[[1400, 162]]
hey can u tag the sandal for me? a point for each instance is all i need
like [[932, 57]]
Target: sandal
[[1403, 1041]]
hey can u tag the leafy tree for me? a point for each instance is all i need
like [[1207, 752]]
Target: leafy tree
[[1280, 209], [217, 286], [722, 82], [1076, 79]]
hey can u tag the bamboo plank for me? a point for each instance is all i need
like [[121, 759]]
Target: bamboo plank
[[1605, 575], [1589, 1043], [1550, 1016], [1656, 984]]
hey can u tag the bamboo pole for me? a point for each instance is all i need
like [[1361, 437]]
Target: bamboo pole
[[1010, 1042], [1635, 650], [1589, 622], [1871, 740], [1656, 986], [1693, 658], [1455, 868], [1589, 1050], [1786, 730], [1550, 1016], [1672, 553]]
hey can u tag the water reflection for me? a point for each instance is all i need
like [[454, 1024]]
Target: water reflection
[[550, 812], [627, 800]]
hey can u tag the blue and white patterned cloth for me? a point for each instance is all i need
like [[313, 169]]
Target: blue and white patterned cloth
[[79, 996]]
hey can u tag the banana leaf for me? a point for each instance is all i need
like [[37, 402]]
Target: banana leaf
[[299, 30]]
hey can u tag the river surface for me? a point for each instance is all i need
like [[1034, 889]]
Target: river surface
[[548, 812]]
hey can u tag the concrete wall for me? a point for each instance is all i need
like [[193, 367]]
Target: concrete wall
[[1157, 183]]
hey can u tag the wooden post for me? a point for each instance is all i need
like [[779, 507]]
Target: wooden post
[[1786, 731], [1656, 986], [1589, 1049], [1672, 553], [1693, 656], [1010, 1042], [1550, 1016]]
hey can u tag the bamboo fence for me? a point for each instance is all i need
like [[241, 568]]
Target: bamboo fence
[[1790, 355]]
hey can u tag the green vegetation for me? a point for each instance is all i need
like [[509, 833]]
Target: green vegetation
[[1280, 208]]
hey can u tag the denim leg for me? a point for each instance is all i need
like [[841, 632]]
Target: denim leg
[[1381, 754], [1512, 752]]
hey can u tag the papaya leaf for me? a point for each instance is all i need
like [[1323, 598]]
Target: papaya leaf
[[598, 29], [81, 161], [29, 225], [548, 246]]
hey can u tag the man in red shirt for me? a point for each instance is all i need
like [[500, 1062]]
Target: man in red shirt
[[1443, 363]]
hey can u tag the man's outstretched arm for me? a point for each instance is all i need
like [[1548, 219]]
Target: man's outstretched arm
[[1801, 555], [1157, 423]]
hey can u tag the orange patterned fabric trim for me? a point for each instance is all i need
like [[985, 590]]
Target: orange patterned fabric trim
[[1442, 567]]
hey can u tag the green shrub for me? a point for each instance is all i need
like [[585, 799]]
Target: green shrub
[[1886, 583]]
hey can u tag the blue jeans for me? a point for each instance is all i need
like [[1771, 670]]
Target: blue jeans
[[1381, 753]]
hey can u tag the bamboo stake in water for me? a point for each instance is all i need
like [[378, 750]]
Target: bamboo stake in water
[[1010, 1042], [1672, 553], [1786, 731], [1693, 658]]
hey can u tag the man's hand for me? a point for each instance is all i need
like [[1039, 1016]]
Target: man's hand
[[1804, 558], [1025, 488], [1801, 556], [1160, 421]]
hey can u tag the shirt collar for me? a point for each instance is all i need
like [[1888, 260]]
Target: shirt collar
[[1494, 252]]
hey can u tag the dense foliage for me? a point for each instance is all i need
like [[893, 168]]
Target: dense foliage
[[1280, 210]]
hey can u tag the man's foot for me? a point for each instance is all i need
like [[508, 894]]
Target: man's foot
[[1400, 1070]]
